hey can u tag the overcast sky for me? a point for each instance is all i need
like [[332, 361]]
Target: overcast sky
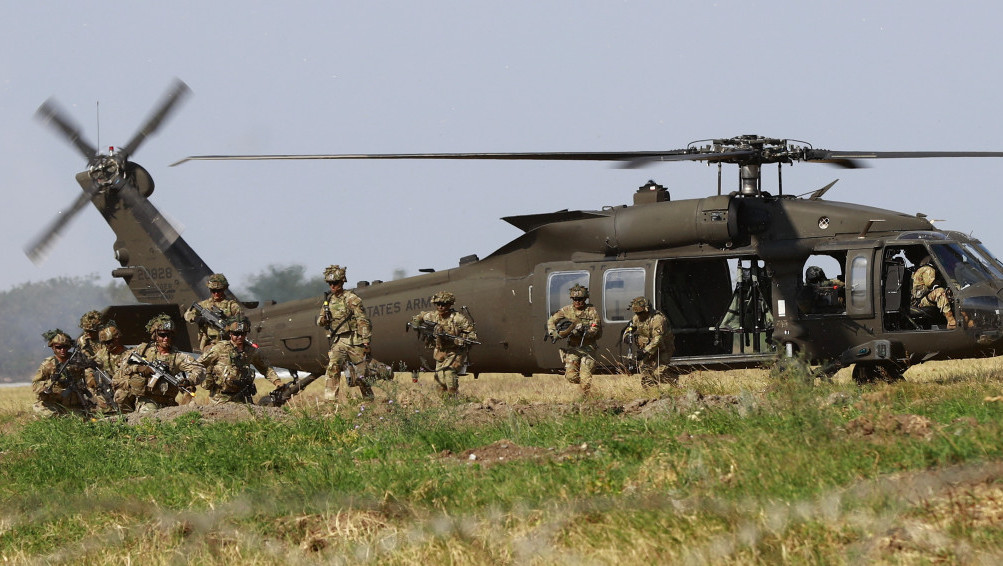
[[434, 76]]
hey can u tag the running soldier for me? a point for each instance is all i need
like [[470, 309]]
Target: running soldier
[[349, 331], [134, 388], [230, 365], [217, 303], [582, 326], [451, 335], [60, 384], [655, 343]]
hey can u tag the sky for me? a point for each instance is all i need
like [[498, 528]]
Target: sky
[[468, 76]]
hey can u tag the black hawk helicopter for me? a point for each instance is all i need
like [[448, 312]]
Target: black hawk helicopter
[[727, 270]]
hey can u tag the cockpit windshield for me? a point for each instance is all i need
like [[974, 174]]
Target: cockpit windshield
[[962, 264], [992, 262]]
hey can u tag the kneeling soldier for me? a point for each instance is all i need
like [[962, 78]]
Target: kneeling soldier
[[230, 366], [137, 385], [59, 384]]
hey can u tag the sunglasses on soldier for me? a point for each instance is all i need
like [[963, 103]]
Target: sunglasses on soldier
[[237, 333], [61, 346], [164, 333]]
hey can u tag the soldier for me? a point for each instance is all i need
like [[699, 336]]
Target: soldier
[[230, 365], [110, 356], [350, 331], [821, 294], [87, 343], [133, 387], [452, 336], [584, 327], [927, 290], [218, 303], [655, 342], [60, 385]]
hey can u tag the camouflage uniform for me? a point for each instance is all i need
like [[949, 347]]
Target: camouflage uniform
[[586, 327], [350, 332], [227, 308], [110, 355], [88, 343], [60, 392], [132, 390], [450, 354], [926, 293], [655, 343], [230, 368]]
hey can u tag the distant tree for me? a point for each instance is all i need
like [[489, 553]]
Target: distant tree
[[29, 309], [284, 283]]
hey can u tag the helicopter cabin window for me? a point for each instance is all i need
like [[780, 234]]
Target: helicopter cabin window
[[859, 296], [620, 286], [559, 284], [823, 291]]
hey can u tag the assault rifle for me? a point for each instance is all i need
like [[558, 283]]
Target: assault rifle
[[104, 386], [629, 338], [429, 331], [213, 317], [72, 385], [565, 329], [283, 393], [160, 372]]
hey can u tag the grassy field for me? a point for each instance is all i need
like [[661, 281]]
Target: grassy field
[[745, 467]]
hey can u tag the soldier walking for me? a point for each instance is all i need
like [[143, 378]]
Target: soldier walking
[[452, 334], [582, 328], [655, 343], [350, 332]]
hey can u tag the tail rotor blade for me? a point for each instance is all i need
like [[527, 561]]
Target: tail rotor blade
[[50, 113], [175, 94]]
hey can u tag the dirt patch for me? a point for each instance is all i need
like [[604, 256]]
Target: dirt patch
[[228, 412], [502, 451], [913, 426]]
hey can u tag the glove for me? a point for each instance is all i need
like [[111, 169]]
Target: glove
[[145, 371], [277, 383], [366, 349], [554, 335]]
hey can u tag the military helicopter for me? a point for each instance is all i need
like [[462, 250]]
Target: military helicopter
[[727, 270]]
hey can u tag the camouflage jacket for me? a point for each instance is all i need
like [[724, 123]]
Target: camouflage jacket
[[68, 388], [209, 334], [454, 324], [130, 377], [653, 335], [229, 370], [585, 323], [89, 346], [924, 280], [345, 317]]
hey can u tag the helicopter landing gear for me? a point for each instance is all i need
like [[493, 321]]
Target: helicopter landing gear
[[887, 372]]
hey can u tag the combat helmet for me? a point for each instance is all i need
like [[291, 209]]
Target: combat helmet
[[57, 336], [238, 324], [217, 281], [640, 304], [814, 275], [443, 298], [334, 274], [109, 333], [161, 322], [90, 321], [579, 292]]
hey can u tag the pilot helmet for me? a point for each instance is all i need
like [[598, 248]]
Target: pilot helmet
[[334, 274], [57, 336], [443, 298], [159, 323], [217, 281], [814, 275], [579, 292], [640, 304], [90, 321]]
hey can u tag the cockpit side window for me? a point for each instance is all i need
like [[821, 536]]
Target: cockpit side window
[[961, 266]]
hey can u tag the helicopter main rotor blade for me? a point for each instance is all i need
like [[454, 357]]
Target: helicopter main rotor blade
[[848, 158], [50, 113], [175, 94], [633, 157], [38, 249]]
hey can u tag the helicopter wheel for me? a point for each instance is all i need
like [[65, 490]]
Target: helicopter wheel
[[887, 372]]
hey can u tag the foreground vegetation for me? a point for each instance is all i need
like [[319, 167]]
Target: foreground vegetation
[[741, 468]]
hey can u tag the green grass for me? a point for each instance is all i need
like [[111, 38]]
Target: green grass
[[766, 477]]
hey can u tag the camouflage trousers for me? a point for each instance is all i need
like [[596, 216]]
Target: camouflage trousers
[[342, 352], [578, 365], [52, 409], [938, 298], [656, 370], [448, 364]]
